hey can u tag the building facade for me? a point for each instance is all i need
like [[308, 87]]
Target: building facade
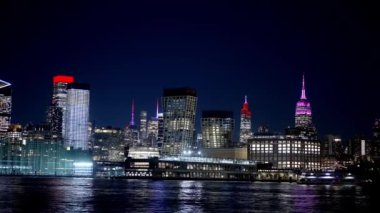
[[245, 123], [57, 110], [77, 116], [143, 125], [217, 129], [179, 108], [285, 152], [5, 106]]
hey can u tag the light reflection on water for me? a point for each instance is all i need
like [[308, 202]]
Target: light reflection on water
[[20, 194]]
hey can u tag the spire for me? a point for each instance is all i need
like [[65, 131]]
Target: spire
[[303, 93], [132, 123], [245, 110], [157, 109]]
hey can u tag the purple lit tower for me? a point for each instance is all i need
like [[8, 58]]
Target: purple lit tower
[[303, 116]]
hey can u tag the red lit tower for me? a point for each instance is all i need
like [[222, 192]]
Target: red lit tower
[[56, 113], [245, 123]]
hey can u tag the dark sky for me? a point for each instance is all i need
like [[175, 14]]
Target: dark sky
[[224, 49]]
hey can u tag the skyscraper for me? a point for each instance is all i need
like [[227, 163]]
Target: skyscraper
[[179, 106], [143, 125], [131, 133], [152, 131], [5, 106], [56, 113], [303, 110], [77, 116], [217, 129], [245, 123]]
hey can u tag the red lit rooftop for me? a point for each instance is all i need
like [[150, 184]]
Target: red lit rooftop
[[63, 79]]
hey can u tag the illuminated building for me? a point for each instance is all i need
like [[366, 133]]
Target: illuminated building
[[143, 125], [179, 106], [285, 152], [56, 113], [245, 123], [108, 144], [5, 107], [77, 116], [303, 115], [153, 129], [160, 132], [217, 129], [131, 132]]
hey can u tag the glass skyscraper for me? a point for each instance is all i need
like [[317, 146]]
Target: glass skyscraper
[[5, 106], [179, 108], [57, 110], [77, 116], [217, 129]]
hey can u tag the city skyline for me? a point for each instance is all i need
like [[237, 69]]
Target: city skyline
[[224, 50]]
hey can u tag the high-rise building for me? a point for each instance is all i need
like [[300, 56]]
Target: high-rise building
[[5, 106], [152, 132], [56, 113], [143, 125], [131, 133], [245, 123], [217, 129], [77, 116], [160, 132], [303, 116], [179, 106]]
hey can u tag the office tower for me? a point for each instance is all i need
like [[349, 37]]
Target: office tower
[[77, 116], [303, 116], [143, 125], [108, 144], [245, 123], [217, 129], [152, 132], [5, 107], [179, 108], [160, 132], [56, 113], [131, 133]]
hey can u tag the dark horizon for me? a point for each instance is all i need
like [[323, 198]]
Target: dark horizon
[[224, 50]]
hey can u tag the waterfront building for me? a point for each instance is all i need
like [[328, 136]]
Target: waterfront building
[[245, 123], [108, 144], [179, 108], [217, 129], [284, 152], [5, 107], [191, 168], [77, 116], [57, 110]]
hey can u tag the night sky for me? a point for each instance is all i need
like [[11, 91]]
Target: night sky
[[224, 49]]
